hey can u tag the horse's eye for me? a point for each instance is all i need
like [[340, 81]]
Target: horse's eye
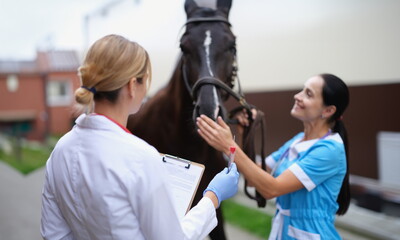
[[183, 48], [233, 49], [185, 45]]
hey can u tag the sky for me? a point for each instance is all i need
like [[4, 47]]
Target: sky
[[280, 42], [27, 25]]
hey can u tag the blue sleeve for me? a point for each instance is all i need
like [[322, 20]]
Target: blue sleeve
[[322, 161]]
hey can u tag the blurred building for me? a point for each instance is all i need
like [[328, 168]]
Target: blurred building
[[36, 97]]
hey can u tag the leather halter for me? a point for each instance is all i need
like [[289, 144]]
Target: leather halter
[[255, 124], [210, 80], [207, 19], [216, 82]]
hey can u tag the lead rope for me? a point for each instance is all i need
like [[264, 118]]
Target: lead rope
[[249, 135], [257, 125]]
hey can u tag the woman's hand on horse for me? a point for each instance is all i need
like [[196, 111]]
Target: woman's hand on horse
[[243, 117], [217, 134]]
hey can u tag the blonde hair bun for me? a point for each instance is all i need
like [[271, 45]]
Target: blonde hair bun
[[109, 64]]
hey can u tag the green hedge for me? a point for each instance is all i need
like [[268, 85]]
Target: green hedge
[[29, 160], [25, 156]]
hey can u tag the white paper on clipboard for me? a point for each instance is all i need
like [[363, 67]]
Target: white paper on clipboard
[[184, 177]]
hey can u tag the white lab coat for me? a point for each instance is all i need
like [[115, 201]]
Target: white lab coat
[[104, 183]]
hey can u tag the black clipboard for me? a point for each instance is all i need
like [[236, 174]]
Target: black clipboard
[[184, 178]]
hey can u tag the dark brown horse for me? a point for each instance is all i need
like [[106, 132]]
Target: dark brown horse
[[202, 81]]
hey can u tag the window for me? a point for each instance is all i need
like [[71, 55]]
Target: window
[[12, 83], [59, 93]]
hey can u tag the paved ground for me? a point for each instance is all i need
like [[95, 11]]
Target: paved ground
[[20, 206], [20, 198]]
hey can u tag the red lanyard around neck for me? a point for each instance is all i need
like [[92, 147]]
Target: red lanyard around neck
[[112, 120]]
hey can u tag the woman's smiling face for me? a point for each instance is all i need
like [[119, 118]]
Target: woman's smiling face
[[308, 105]]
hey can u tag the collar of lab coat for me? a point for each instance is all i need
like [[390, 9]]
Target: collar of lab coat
[[97, 121]]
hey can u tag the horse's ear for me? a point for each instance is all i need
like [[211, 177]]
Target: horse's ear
[[224, 6], [190, 6]]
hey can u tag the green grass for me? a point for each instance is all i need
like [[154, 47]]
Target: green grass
[[29, 158], [248, 219]]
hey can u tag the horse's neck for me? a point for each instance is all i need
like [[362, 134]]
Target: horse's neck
[[179, 94]]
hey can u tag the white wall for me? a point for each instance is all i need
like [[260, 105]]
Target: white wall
[[389, 158], [280, 47], [280, 42]]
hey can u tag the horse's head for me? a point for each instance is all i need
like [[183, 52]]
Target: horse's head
[[208, 56]]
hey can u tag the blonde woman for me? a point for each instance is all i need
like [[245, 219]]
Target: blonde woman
[[102, 182]]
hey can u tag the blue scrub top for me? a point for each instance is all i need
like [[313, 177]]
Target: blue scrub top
[[320, 164]]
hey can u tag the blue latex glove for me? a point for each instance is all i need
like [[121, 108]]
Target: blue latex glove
[[224, 184]]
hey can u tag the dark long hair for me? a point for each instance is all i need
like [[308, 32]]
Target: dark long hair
[[335, 92]]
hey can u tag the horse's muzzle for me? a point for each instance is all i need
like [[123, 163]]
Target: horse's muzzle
[[209, 103]]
